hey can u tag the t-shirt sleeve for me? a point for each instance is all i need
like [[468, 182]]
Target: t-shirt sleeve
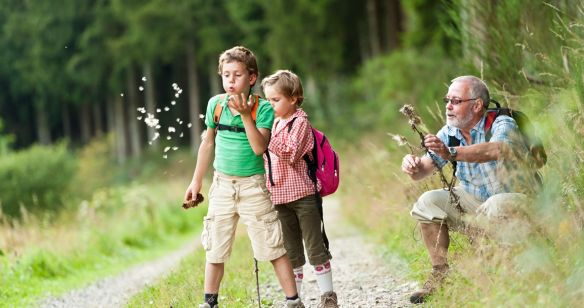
[[265, 116]]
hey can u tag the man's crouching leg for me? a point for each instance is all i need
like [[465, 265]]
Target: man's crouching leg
[[431, 210]]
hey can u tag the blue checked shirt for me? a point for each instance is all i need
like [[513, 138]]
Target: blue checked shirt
[[480, 179]]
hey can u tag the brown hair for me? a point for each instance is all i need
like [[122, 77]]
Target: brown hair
[[239, 54], [287, 83]]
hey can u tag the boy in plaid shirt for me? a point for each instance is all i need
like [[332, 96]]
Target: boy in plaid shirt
[[293, 192]]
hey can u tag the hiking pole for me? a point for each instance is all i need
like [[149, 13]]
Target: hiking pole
[[255, 261]]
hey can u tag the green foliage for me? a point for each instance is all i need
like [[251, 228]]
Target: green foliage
[[5, 140], [37, 178]]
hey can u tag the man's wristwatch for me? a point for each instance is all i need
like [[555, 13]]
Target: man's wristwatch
[[453, 153]]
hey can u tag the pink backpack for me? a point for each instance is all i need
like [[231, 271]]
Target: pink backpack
[[324, 166]]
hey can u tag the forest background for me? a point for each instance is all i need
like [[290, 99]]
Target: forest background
[[78, 161]]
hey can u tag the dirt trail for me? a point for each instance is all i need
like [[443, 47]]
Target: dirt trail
[[360, 277]]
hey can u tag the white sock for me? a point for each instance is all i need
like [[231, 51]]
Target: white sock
[[298, 276], [324, 277]]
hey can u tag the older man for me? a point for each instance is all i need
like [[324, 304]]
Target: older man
[[477, 154]]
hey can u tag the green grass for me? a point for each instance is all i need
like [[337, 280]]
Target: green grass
[[117, 228], [184, 287]]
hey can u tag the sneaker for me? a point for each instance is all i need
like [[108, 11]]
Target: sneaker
[[328, 300], [206, 305], [296, 303], [432, 284]]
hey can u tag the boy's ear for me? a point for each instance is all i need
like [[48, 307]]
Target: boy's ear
[[252, 79]]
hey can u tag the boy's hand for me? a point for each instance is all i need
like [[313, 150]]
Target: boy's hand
[[193, 203], [241, 104], [192, 191]]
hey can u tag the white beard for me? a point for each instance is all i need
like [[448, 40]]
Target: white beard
[[459, 122]]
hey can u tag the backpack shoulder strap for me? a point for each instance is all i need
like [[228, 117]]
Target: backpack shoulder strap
[[254, 110], [218, 110]]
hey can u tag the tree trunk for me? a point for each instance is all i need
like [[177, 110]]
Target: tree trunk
[[133, 128], [120, 130], [151, 102], [194, 94], [214, 83], [66, 120], [393, 24], [85, 123], [97, 119], [43, 130], [111, 125], [373, 24]]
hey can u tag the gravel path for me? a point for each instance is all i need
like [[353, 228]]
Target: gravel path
[[360, 277], [116, 291]]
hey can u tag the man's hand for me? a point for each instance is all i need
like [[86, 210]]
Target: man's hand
[[410, 164], [239, 103], [436, 145]]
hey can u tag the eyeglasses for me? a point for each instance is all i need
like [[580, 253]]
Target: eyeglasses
[[456, 101]]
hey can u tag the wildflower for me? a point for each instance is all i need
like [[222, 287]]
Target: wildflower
[[410, 113]]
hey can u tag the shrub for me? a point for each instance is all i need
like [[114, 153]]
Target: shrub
[[36, 179]]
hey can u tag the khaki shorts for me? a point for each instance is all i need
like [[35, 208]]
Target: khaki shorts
[[434, 206], [232, 197]]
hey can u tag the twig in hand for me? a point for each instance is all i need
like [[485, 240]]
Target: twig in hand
[[193, 202], [415, 121]]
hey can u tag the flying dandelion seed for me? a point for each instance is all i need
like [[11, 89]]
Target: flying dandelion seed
[[176, 95], [141, 109], [158, 110], [174, 148], [171, 129], [141, 88], [143, 78], [151, 120], [166, 149], [173, 103], [168, 137], [201, 116], [139, 118], [177, 120], [180, 91], [181, 122], [122, 94], [174, 85], [189, 125], [156, 135], [165, 156], [166, 109], [150, 142], [158, 126], [181, 135]]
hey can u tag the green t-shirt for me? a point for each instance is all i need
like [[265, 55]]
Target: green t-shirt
[[233, 153]]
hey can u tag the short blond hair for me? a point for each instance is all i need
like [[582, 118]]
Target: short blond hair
[[287, 83], [239, 54]]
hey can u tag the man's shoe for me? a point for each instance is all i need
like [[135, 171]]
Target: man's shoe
[[296, 303], [328, 300], [206, 305], [435, 280]]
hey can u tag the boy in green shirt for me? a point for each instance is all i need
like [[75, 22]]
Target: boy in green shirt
[[239, 188]]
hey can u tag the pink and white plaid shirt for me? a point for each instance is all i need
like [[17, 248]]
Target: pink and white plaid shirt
[[289, 170]]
